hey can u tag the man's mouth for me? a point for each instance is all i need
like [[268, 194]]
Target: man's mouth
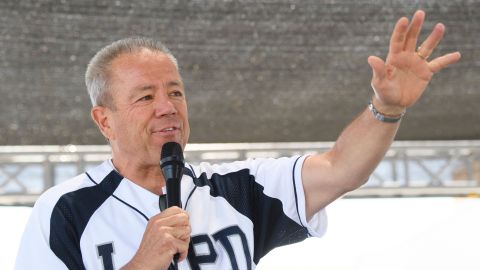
[[169, 129]]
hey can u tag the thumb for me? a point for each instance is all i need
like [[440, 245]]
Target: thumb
[[378, 68]]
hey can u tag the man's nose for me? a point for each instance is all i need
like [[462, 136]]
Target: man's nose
[[164, 106]]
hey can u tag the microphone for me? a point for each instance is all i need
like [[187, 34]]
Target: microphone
[[172, 164]]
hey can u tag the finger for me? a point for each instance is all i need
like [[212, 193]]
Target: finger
[[444, 61], [175, 246], [378, 67], [398, 36], [183, 250], [172, 210], [170, 218], [414, 31], [183, 233], [432, 41]]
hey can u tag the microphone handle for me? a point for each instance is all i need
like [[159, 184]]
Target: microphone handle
[[173, 199], [173, 193]]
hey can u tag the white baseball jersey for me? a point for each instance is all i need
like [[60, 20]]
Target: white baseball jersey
[[238, 212]]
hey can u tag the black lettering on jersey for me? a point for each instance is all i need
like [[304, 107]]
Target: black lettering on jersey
[[195, 259], [105, 252], [221, 236]]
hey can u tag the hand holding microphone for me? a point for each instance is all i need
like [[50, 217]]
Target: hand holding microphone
[[168, 233], [172, 164]]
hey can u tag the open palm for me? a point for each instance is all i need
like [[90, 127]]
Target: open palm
[[400, 80]]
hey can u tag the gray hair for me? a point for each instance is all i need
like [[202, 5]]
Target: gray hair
[[96, 76]]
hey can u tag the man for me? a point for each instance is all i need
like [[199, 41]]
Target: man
[[234, 213]]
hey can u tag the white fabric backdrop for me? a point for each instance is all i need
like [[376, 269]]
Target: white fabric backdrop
[[394, 233]]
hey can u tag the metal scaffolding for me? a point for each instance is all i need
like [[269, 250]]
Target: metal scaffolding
[[410, 168]]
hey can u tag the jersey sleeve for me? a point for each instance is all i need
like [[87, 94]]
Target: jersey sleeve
[[34, 251], [317, 225], [280, 217], [40, 247]]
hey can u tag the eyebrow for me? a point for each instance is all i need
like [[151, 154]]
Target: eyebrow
[[175, 83], [151, 86], [139, 89]]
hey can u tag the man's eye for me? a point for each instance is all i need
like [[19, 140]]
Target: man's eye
[[176, 94], [147, 97]]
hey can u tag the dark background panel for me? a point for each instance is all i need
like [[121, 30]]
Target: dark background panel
[[255, 71]]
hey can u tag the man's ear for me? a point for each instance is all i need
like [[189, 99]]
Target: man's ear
[[101, 116]]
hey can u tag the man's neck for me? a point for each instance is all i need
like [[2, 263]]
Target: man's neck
[[148, 177]]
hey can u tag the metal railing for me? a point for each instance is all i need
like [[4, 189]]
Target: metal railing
[[410, 168]]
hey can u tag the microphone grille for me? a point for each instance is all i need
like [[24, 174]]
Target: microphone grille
[[171, 151]]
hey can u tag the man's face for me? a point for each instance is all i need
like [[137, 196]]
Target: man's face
[[150, 108]]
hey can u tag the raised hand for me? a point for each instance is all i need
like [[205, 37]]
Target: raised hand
[[401, 80]]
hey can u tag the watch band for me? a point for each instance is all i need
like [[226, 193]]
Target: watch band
[[383, 117]]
